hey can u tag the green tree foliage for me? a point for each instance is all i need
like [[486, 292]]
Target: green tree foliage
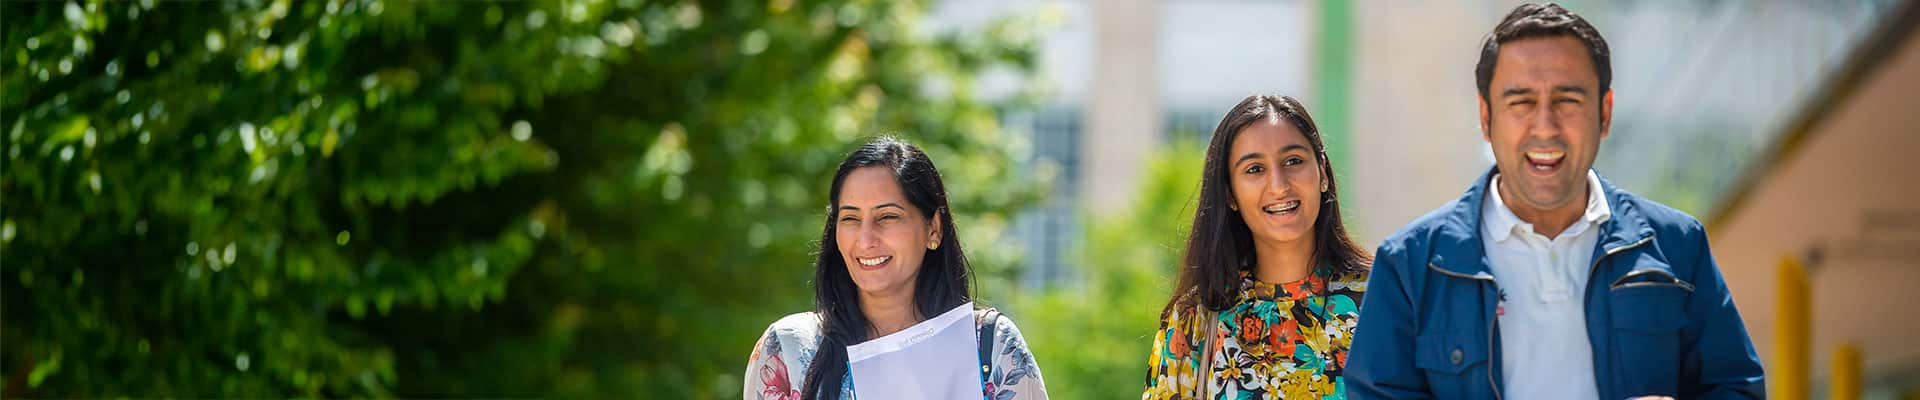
[[347, 198], [1092, 339]]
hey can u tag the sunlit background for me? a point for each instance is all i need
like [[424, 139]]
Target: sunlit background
[[614, 198]]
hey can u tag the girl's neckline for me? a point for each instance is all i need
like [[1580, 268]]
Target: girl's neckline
[[1313, 284]]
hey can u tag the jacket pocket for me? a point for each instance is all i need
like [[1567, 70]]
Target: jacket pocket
[[1454, 363], [1648, 316]]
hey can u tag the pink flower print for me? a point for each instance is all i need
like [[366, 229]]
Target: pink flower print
[[774, 382]]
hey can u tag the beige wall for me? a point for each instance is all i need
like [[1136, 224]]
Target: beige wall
[[1849, 190], [1416, 138], [1123, 112]]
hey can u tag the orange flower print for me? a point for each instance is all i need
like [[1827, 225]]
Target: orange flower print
[[1275, 337], [1177, 341], [1284, 336], [1252, 329], [1305, 288]]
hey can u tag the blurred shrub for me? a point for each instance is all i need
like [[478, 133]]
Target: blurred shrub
[[345, 198], [1092, 338]]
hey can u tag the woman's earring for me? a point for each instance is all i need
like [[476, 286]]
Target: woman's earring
[[933, 246], [1233, 207]]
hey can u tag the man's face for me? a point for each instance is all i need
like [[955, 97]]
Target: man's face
[[1545, 119]]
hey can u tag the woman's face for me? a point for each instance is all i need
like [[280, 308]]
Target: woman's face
[[881, 236], [1276, 181]]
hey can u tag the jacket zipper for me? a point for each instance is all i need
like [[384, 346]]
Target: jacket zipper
[[1682, 285], [1675, 281], [1494, 323]]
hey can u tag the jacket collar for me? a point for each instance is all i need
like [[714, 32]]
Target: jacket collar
[[1501, 223], [1459, 249]]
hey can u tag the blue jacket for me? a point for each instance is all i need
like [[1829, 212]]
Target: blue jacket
[[1658, 312]]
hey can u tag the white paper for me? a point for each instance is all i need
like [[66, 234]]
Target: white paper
[[934, 359]]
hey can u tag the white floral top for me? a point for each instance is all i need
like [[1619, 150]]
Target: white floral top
[[778, 366]]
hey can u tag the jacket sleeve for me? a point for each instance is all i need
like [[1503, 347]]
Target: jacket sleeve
[[1718, 360], [1380, 366]]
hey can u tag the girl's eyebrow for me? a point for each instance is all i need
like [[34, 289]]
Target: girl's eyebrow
[[882, 205]]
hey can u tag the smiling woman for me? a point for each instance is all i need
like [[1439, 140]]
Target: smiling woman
[[1270, 288], [889, 258]]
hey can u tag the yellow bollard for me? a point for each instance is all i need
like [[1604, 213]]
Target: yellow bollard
[[1846, 373], [1791, 330]]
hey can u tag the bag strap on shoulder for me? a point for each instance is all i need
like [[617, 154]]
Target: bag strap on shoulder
[[990, 324], [1202, 379]]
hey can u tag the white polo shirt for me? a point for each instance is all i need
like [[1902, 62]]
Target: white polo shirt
[[1542, 314]]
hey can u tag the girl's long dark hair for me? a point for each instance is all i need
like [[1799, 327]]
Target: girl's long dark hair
[[943, 282], [1220, 245]]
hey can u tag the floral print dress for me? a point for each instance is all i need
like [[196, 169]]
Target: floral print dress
[[1279, 341], [778, 366]]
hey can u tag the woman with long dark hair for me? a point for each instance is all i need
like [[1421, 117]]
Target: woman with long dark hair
[[1270, 288], [889, 258]]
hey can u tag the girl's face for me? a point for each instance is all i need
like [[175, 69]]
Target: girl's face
[[1276, 181], [882, 237]]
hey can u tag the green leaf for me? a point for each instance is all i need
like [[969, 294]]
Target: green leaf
[[44, 369]]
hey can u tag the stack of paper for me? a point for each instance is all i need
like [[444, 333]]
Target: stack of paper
[[935, 359]]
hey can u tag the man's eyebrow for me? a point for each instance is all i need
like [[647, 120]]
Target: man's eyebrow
[[1570, 89], [1519, 91]]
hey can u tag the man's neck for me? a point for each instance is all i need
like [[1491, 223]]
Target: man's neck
[[1549, 223]]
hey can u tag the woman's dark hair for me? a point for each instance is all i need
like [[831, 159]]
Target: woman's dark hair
[[944, 278], [1542, 20], [1220, 245]]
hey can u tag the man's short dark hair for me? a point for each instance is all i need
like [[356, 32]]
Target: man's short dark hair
[[1541, 20]]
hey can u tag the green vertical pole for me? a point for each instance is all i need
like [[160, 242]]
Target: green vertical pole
[[1333, 81]]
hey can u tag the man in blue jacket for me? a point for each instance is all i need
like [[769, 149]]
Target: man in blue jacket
[[1545, 281]]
